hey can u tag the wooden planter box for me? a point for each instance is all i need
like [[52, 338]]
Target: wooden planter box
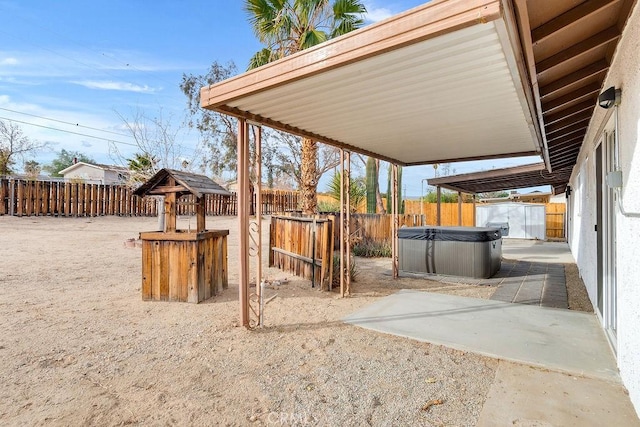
[[184, 266]]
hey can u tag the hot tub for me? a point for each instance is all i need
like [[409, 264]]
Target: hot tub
[[455, 251]]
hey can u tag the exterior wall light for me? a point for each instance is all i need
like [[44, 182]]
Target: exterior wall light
[[609, 98]]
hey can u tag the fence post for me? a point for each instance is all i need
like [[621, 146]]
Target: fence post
[[12, 197]]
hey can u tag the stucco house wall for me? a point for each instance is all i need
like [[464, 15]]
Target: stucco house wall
[[625, 74]]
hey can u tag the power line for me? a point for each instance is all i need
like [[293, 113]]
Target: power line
[[66, 123], [69, 131], [193, 151]]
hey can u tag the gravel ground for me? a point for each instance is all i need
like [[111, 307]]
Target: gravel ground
[[576, 291], [79, 347]]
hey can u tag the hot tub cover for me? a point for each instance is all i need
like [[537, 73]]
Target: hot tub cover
[[450, 234]]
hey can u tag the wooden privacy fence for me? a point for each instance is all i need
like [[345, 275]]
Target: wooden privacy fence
[[448, 212], [303, 246], [555, 221], [58, 198], [376, 227]]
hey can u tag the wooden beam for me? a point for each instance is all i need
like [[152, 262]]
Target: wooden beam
[[574, 78], [574, 97], [569, 152], [568, 139], [576, 127], [567, 112], [170, 209], [468, 159], [274, 124], [201, 212], [578, 49], [572, 17], [568, 121], [494, 173]]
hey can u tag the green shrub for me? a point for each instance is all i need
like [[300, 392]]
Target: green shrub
[[369, 249], [324, 206]]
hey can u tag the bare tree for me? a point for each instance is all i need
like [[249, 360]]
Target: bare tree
[[14, 145], [157, 141], [290, 158], [218, 132]]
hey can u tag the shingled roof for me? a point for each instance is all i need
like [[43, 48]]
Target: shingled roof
[[186, 183]]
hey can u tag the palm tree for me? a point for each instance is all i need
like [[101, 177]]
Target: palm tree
[[289, 26]]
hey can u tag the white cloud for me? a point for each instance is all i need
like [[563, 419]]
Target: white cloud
[[9, 61], [112, 85], [375, 14]]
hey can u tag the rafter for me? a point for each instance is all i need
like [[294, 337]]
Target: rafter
[[574, 128], [578, 49], [567, 121], [571, 17], [576, 96], [567, 112], [574, 78]]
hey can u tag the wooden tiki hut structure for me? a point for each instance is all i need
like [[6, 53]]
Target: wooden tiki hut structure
[[182, 265]]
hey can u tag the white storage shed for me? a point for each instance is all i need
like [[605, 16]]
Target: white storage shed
[[524, 220]]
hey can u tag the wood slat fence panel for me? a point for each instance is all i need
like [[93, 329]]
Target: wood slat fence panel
[[57, 198], [298, 243]]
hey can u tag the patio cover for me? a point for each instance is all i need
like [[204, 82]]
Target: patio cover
[[445, 81], [524, 176]]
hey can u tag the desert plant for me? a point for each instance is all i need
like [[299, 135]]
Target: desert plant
[[371, 249], [400, 201], [353, 271], [372, 184], [357, 190], [328, 206]]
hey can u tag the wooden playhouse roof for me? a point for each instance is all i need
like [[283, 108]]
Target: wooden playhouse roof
[[185, 183]]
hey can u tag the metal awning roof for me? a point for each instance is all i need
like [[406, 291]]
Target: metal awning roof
[[524, 176], [442, 82], [451, 80]]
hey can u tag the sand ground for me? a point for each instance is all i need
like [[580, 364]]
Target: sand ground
[[79, 347]]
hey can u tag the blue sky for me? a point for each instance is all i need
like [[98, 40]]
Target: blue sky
[[85, 63]]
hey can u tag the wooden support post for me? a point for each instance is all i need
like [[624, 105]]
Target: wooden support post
[[474, 210], [243, 220], [438, 206], [342, 224], [258, 191], [201, 210], [347, 188], [459, 208], [394, 220], [170, 208]]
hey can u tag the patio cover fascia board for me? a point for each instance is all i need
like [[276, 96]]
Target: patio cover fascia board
[[417, 25], [503, 179]]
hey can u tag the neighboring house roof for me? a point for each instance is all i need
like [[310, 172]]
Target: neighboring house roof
[[518, 196], [186, 183], [113, 168]]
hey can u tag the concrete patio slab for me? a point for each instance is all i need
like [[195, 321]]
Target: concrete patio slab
[[524, 396], [551, 338], [536, 251]]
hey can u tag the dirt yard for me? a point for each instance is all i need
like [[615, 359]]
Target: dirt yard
[[79, 347]]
